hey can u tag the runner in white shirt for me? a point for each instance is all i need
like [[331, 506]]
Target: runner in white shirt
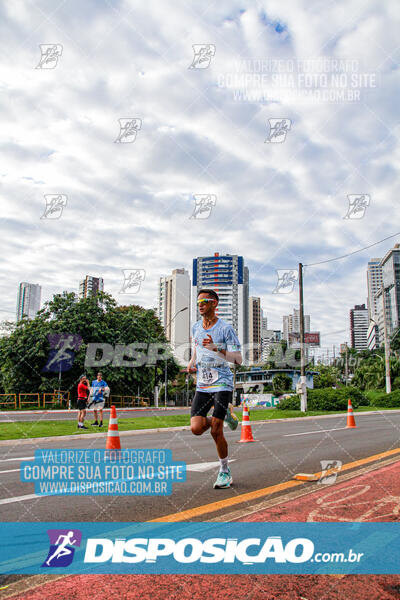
[[215, 345]]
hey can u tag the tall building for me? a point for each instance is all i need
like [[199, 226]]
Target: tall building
[[390, 265], [291, 325], [227, 276], [374, 282], [90, 286], [270, 337], [359, 322], [173, 296], [255, 326], [264, 324], [28, 302]]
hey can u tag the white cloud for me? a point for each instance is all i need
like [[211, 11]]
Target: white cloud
[[129, 204]]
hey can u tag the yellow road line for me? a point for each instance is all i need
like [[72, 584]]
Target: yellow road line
[[249, 496]]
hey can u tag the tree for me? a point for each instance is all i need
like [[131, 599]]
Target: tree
[[329, 376], [25, 353], [281, 383]]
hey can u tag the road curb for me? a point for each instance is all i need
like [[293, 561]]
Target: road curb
[[103, 434]]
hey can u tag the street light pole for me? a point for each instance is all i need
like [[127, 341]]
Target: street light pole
[[387, 345], [303, 384], [166, 360]]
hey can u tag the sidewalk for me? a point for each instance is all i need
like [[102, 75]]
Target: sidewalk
[[374, 496], [371, 496]]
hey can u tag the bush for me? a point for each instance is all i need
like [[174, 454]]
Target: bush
[[327, 399], [387, 400]]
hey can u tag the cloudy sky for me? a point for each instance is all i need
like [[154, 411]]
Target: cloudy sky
[[327, 71]]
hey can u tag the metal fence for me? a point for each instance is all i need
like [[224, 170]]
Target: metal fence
[[8, 401], [61, 399]]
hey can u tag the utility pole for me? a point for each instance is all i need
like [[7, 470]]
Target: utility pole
[[234, 385], [387, 345], [303, 386], [346, 365]]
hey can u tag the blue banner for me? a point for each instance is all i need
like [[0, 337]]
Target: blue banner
[[202, 548], [88, 472]]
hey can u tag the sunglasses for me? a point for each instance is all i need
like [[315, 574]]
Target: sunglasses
[[204, 300]]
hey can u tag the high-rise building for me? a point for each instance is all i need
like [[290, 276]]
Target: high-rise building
[[255, 326], [359, 322], [270, 337], [173, 297], [291, 324], [374, 282], [227, 276], [28, 302], [90, 286], [264, 323], [390, 265]]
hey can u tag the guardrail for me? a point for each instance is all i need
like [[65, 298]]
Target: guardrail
[[62, 399], [128, 401], [11, 399]]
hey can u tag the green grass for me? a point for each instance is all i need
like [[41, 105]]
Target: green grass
[[42, 428]]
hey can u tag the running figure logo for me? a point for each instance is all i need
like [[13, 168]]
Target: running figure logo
[[50, 55], [203, 204], [61, 551], [358, 204], [128, 129], [132, 280], [278, 129], [55, 204], [63, 347], [203, 54], [286, 281], [329, 471]]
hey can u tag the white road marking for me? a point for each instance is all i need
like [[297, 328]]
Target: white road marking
[[10, 471], [204, 466], [317, 431], [20, 498], [17, 458]]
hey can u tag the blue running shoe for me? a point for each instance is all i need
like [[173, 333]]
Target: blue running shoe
[[224, 480]]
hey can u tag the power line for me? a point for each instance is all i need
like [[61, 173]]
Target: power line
[[351, 253]]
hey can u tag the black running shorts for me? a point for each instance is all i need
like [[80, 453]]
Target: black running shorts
[[203, 401], [81, 404]]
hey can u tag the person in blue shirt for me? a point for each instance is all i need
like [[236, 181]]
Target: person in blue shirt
[[215, 346], [97, 400]]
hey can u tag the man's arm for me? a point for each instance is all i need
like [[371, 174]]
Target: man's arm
[[191, 368], [232, 357]]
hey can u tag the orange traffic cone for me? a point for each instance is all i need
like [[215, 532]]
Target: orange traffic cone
[[246, 433], [113, 441], [350, 416]]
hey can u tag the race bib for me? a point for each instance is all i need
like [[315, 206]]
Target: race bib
[[207, 376]]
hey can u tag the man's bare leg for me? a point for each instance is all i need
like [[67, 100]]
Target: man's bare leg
[[95, 417], [199, 424]]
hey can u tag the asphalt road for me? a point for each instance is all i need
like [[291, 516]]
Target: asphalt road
[[284, 448], [71, 415]]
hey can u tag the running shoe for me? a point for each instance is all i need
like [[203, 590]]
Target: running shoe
[[231, 418], [95, 424], [224, 480]]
